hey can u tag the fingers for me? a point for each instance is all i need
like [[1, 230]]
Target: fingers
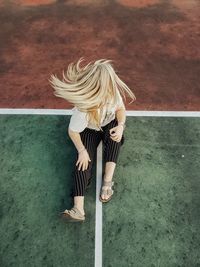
[[113, 134], [83, 161], [82, 164], [116, 138], [112, 131]]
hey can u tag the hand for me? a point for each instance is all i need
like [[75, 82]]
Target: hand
[[116, 133], [83, 160]]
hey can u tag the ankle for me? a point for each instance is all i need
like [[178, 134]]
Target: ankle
[[80, 209], [107, 178], [79, 203]]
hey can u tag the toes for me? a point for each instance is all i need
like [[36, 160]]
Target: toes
[[107, 193], [103, 196], [66, 211]]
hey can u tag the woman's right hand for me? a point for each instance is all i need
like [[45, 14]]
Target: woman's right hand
[[83, 160]]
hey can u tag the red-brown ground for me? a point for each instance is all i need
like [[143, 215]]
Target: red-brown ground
[[154, 45]]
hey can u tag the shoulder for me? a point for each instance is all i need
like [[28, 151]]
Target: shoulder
[[78, 112], [120, 102], [78, 121]]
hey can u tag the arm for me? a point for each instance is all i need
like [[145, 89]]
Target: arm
[[121, 116], [76, 139], [83, 156]]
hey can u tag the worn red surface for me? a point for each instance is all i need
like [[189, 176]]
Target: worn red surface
[[154, 45]]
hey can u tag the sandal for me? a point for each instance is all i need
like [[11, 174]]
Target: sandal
[[73, 215], [107, 192]]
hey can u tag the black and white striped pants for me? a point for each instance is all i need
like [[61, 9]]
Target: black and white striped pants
[[91, 139]]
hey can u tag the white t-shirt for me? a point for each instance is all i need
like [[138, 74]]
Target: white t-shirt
[[79, 121]]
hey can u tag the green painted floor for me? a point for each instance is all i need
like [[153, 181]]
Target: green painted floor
[[35, 185], [152, 220], [154, 217]]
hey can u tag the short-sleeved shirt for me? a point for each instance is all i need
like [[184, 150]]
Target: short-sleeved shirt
[[79, 120]]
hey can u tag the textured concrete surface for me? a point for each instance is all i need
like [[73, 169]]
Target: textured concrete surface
[[152, 220], [35, 185], [154, 45]]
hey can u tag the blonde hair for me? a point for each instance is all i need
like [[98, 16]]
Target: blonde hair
[[90, 87]]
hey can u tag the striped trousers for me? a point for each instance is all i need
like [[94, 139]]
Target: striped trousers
[[91, 139]]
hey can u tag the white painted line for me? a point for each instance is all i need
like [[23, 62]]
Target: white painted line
[[98, 215], [139, 113], [37, 111], [148, 113]]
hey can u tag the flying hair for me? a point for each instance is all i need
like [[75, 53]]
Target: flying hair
[[89, 87]]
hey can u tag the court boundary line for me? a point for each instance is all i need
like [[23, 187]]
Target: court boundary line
[[98, 212], [137, 113]]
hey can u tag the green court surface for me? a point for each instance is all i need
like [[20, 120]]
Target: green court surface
[[152, 220]]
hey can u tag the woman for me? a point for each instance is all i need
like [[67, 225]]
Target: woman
[[98, 114]]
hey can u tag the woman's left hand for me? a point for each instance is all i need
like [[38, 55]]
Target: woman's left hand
[[117, 133]]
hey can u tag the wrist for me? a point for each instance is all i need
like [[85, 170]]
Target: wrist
[[82, 149], [122, 124]]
